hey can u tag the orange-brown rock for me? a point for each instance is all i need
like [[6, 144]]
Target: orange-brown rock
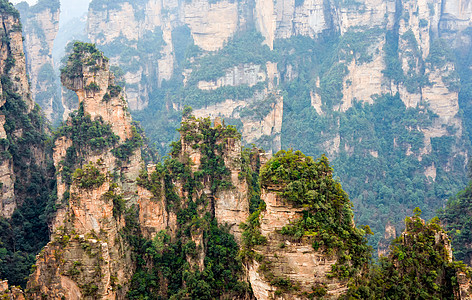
[[288, 258], [89, 256]]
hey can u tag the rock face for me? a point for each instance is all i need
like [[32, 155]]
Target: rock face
[[258, 126], [295, 260], [229, 205], [289, 252], [40, 27], [89, 255], [210, 25], [146, 63], [390, 234], [12, 65], [454, 21]]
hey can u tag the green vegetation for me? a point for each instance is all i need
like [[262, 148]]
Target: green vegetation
[[86, 135], [8, 9], [24, 234], [126, 149], [418, 267], [82, 54], [210, 141], [119, 205], [41, 5], [167, 266], [213, 66], [372, 162], [327, 220], [89, 177], [456, 217], [383, 182], [219, 277], [135, 54]]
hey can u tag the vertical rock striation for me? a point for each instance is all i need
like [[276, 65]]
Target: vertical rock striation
[[40, 27], [14, 88], [98, 158]]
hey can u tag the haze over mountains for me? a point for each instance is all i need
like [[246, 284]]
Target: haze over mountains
[[381, 90]]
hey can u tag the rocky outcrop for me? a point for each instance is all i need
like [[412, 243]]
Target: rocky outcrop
[[287, 252], [261, 118], [211, 23], [12, 65], [454, 21], [90, 256], [40, 27], [13, 293], [290, 259], [232, 205], [229, 205], [389, 235]]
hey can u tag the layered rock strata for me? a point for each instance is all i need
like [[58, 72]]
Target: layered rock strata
[[87, 252]]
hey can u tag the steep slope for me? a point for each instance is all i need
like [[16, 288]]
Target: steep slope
[[302, 242], [97, 155], [373, 84], [188, 247], [27, 179], [40, 27], [153, 51], [456, 217], [419, 265]]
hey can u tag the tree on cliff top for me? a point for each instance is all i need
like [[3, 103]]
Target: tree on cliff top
[[419, 266]]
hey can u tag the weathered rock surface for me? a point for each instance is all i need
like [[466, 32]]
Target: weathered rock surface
[[284, 257], [211, 24], [40, 27], [89, 255], [11, 50]]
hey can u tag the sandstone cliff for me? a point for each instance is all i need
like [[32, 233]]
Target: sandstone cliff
[[12, 66], [27, 180], [98, 158], [40, 27], [290, 252]]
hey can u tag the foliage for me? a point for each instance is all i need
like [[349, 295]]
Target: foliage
[[41, 5], [82, 54], [456, 217], [119, 205], [7, 8], [24, 234], [218, 278], [86, 135], [92, 87], [167, 265], [135, 54], [327, 218], [126, 149], [89, 177], [251, 165], [252, 235], [210, 67], [199, 134], [418, 267]]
